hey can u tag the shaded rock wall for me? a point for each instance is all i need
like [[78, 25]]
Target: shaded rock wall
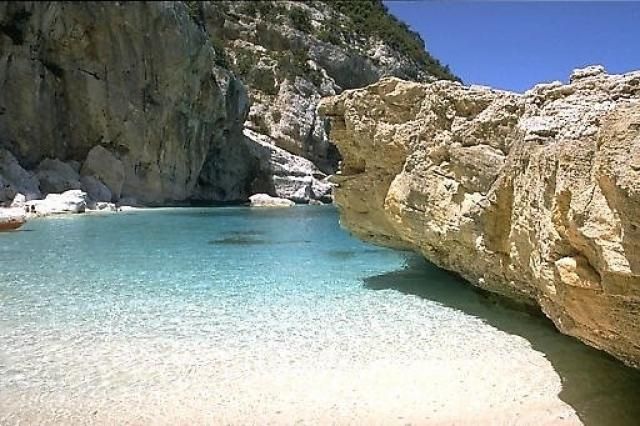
[[137, 78], [153, 85], [534, 196]]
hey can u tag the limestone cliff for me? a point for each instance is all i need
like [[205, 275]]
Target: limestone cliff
[[147, 93], [290, 54], [135, 78], [534, 196]]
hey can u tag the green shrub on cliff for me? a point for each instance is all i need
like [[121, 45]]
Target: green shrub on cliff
[[300, 19], [221, 58], [330, 32], [371, 18], [264, 9], [293, 63]]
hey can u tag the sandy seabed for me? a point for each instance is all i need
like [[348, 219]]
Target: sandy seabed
[[185, 332], [484, 390]]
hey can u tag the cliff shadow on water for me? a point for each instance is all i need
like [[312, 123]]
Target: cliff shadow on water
[[600, 389]]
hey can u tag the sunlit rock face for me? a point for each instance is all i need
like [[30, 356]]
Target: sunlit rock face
[[288, 67], [535, 196]]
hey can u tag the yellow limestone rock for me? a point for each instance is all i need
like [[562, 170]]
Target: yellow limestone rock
[[535, 196]]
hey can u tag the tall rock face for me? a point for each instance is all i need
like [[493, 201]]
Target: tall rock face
[[290, 54], [137, 79], [533, 196], [153, 84]]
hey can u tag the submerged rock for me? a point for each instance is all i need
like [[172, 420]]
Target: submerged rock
[[264, 200], [533, 196]]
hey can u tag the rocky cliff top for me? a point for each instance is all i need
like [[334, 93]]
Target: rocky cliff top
[[290, 54], [535, 196]]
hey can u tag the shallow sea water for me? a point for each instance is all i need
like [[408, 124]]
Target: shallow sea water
[[258, 316]]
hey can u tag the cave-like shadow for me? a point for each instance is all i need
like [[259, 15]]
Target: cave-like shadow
[[600, 389]]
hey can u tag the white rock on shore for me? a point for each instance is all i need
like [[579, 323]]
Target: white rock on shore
[[19, 200], [73, 201], [264, 200], [69, 202], [11, 213]]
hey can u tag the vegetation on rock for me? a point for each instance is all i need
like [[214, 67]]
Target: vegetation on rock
[[300, 19], [371, 18]]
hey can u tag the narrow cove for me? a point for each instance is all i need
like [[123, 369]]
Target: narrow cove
[[236, 315]]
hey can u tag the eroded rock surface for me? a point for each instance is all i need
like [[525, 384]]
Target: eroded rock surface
[[144, 97], [56, 176], [290, 54], [95, 189], [534, 196], [134, 83], [285, 175], [16, 180]]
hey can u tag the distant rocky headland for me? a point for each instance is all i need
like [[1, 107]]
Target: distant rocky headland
[[535, 196], [158, 103]]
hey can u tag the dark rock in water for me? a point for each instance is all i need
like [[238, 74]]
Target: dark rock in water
[[238, 240], [342, 254], [244, 233]]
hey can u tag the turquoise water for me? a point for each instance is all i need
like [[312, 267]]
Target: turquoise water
[[238, 315]]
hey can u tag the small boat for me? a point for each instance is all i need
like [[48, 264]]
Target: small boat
[[11, 223]]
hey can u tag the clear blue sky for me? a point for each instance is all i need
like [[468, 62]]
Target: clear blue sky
[[514, 45]]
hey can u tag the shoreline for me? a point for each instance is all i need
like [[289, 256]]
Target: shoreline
[[76, 201], [19, 211]]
